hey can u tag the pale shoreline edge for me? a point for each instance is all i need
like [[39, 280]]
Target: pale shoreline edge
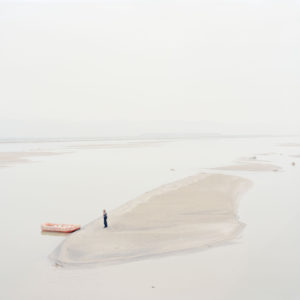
[[208, 219]]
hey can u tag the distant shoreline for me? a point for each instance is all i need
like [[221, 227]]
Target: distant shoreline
[[144, 137]]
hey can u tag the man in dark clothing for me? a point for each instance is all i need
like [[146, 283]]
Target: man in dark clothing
[[105, 218]]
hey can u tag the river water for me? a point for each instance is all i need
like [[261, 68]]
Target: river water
[[87, 176]]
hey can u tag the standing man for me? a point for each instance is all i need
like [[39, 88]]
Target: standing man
[[105, 218]]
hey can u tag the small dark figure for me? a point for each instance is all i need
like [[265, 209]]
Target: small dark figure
[[105, 218]]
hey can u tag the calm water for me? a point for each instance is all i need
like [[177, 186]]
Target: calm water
[[75, 186]]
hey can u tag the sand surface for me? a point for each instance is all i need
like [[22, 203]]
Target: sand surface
[[8, 158], [186, 215], [290, 145], [118, 145], [251, 167]]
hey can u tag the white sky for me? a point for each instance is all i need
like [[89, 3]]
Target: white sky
[[222, 61]]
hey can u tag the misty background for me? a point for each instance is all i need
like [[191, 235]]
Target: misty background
[[114, 68]]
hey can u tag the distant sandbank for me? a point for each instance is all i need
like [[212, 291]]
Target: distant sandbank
[[186, 215], [251, 167], [136, 144], [9, 158]]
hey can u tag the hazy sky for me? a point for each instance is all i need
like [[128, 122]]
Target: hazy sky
[[223, 61]]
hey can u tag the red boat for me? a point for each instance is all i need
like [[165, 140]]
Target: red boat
[[66, 228]]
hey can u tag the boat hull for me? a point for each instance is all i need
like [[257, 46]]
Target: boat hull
[[64, 228]]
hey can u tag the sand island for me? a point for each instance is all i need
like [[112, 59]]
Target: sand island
[[185, 215]]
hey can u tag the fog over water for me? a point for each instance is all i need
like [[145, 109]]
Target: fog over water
[[67, 67]]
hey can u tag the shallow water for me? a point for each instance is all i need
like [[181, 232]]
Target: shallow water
[[74, 187]]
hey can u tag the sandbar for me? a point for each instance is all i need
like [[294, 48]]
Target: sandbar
[[251, 167], [186, 215], [118, 145], [290, 145], [8, 158]]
